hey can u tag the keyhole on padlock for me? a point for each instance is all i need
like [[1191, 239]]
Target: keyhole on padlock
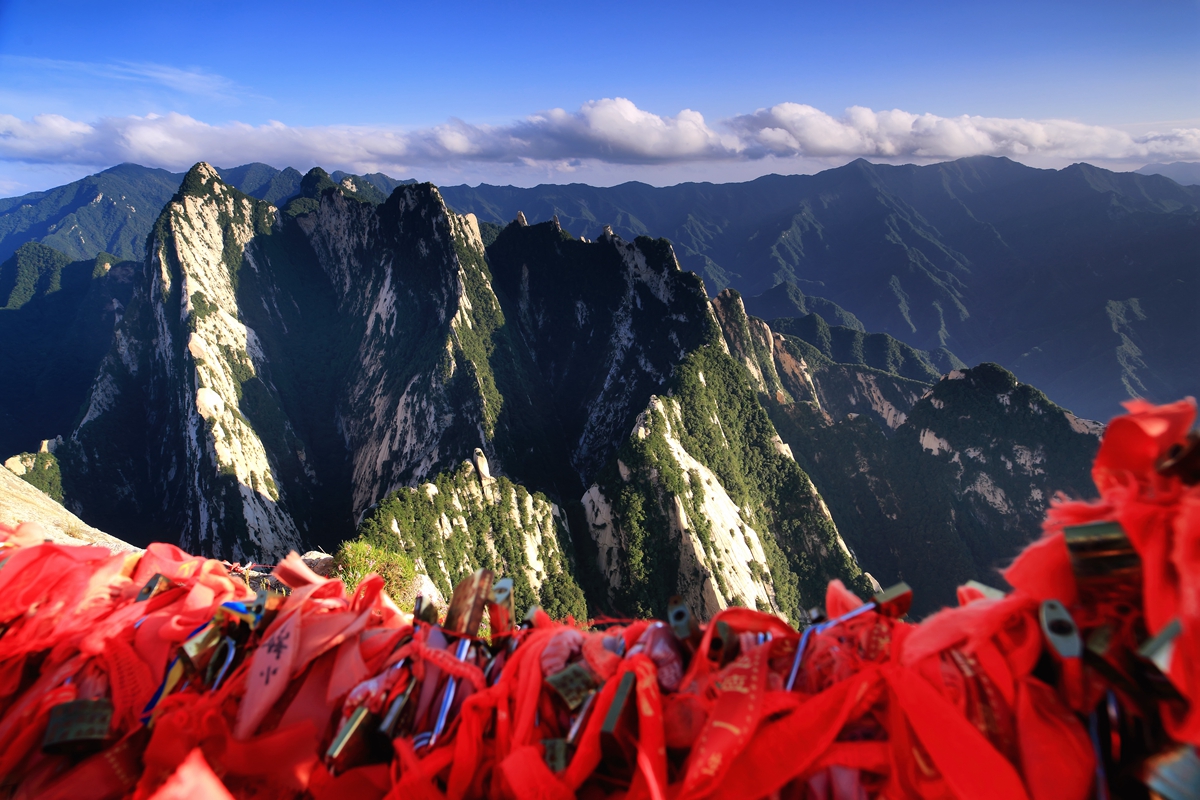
[[1061, 627]]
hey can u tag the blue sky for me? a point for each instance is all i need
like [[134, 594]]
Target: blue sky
[[532, 92]]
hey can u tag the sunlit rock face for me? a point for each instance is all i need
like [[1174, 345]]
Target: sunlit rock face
[[175, 383], [465, 519], [283, 374], [277, 356]]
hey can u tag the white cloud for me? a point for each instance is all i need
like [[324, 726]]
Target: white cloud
[[601, 132], [794, 129]]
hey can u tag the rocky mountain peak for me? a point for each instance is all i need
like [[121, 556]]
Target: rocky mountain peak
[[200, 180], [751, 341]]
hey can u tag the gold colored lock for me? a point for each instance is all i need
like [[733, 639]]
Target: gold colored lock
[[573, 684], [157, 584], [199, 648]]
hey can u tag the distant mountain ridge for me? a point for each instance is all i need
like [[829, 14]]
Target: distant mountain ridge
[[878, 350], [1185, 173], [114, 210], [1081, 280]]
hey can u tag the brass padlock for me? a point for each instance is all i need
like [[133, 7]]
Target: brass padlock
[[157, 584], [468, 602], [266, 607], [573, 684], [200, 646]]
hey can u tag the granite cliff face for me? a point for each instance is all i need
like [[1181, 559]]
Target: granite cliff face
[[933, 482], [466, 519], [283, 373], [173, 385], [576, 414], [411, 283], [258, 338], [1081, 280]]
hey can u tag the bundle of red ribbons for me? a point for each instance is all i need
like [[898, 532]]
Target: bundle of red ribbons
[[159, 675]]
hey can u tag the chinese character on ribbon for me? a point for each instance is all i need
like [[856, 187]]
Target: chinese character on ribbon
[[277, 644]]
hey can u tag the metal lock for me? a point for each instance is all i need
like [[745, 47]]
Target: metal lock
[[1062, 635], [425, 611], [555, 754], [200, 646], [265, 608], [502, 612], [683, 622], [894, 601], [724, 646], [580, 719], [1158, 653], [1059, 629], [1174, 775], [157, 584], [573, 684], [1183, 460], [219, 663], [398, 719], [358, 742], [1103, 560], [78, 727], [617, 733], [530, 614], [467, 604]]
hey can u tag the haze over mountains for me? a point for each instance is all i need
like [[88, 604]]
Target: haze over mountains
[[277, 360], [1185, 173]]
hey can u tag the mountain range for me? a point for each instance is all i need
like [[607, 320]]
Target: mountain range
[[1185, 173], [1078, 280], [313, 358], [1081, 281]]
